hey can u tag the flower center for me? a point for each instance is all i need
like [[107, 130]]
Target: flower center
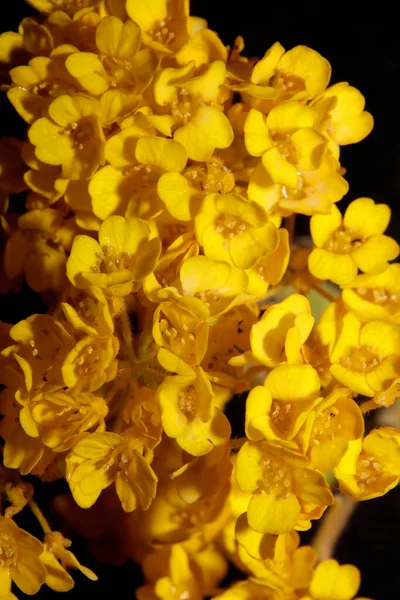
[[229, 226], [381, 296], [88, 361], [275, 478], [327, 425], [342, 242], [287, 83], [81, 132], [285, 146], [161, 31], [8, 556], [361, 359], [182, 108], [178, 336], [368, 470], [112, 260], [281, 415], [188, 402]]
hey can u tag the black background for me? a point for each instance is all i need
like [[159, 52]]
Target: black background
[[362, 44]]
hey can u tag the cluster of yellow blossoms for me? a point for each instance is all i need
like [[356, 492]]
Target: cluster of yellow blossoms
[[164, 172]]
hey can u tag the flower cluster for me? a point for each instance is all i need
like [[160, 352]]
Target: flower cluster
[[163, 174]]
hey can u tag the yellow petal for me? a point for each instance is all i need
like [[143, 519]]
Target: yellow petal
[[339, 268], [307, 64], [265, 68], [117, 39], [256, 133], [373, 255], [365, 218], [178, 195], [323, 226], [287, 117], [268, 514], [89, 71], [310, 146], [167, 155], [209, 129], [279, 169], [334, 582], [293, 382], [85, 256]]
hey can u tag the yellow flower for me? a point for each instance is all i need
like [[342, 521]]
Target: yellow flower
[[286, 140], [119, 71], [182, 193], [142, 414], [187, 408], [373, 297], [280, 408], [299, 74], [332, 581], [56, 558], [280, 334], [371, 467], [316, 191], [195, 119], [181, 329], [45, 180], [355, 242], [286, 491], [137, 161], [38, 249], [341, 114], [126, 253], [91, 362], [231, 229], [364, 357], [331, 424], [59, 417], [42, 343], [87, 311], [209, 287], [19, 560], [38, 83], [103, 458], [72, 137], [164, 24]]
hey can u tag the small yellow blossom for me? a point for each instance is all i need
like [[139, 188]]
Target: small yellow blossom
[[375, 296], [280, 408], [364, 357], [103, 458], [299, 74], [355, 242], [196, 120], [371, 467], [126, 252], [332, 423], [233, 230], [181, 329], [19, 560], [136, 162], [42, 343], [286, 491], [286, 140], [91, 362], [87, 311], [341, 114], [37, 84], [280, 334], [72, 137], [165, 26], [187, 408]]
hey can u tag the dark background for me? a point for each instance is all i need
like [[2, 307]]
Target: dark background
[[361, 43]]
